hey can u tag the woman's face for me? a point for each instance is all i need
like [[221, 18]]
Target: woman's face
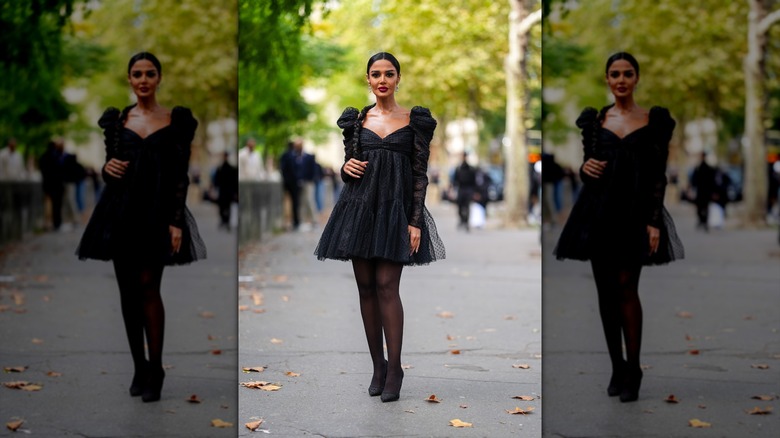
[[383, 78], [622, 78], [144, 78]]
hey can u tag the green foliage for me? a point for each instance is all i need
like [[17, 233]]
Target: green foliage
[[32, 66]]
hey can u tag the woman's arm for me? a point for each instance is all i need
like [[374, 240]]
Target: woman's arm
[[185, 128], [423, 125], [665, 127]]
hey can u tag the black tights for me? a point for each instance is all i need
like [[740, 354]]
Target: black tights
[[142, 310], [381, 309], [618, 291]]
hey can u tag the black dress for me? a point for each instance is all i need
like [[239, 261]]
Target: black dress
[[371, 218], [131, 219], [610, 218]]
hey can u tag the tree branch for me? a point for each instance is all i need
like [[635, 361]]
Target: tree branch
[[529, 21], [767, 22]]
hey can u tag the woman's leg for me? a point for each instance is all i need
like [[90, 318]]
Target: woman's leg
[[631, 312], [127, 276], [388, 278], [606, 276], [365, 275], [150, 279]]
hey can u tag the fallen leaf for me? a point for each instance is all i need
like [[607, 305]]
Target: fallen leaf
[[46, 298], [258, 310], [42, 278], [219, 423], [688, 338], [648, 411], [37, 341], [292, 374], [280, 278], [285, 298], [257, 298], [522, 366], [167, 366], [509, 317], [445, 314], [243, 307], [259, 384], [457, 423], [276, 341], [14, 425], [685, 314], [194, 399], [4, 307], [20, 311], [18, 298], [53, 374], [763, 397], [409, 411], [748, 318], [471, 338], [463, 406], [518, 411], [454, 351], [524, 397], [253, 425], [17, 384], [14, 369], [693, 352], [645, 367], [253, 369], [695, 422], [211, 337], [758, 411], [450, 338], [31, 387], [672, 399], [760, 366], [216, 352], [432, 399], [207, 314], [702, 407], [406, 366]]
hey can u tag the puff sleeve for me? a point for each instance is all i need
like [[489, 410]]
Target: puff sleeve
[[588, 123], [184, 124], [109, 122], [423, 125], [663, 126], [347, 124]]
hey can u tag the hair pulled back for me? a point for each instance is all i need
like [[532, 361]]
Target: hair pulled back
[[383, 55], [624, 56], [147, 56]]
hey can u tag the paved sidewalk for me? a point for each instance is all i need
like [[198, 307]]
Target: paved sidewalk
[[62, 315], [301, 315], [708, 321]]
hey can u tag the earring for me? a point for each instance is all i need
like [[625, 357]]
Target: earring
[[397, 87]]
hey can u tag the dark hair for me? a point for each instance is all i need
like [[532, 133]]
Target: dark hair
[[624, 56], [383, 55], [147, 56]]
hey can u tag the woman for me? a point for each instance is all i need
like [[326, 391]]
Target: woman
[[619, 222], [380, 222], [141, 221]]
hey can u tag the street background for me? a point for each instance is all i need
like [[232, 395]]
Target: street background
[[59, 314], [301, 315], [709, 321]]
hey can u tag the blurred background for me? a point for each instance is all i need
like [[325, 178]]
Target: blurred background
[[476, 65]]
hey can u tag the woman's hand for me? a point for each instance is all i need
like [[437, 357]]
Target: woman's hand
[[654, 234], [593, 168], [414, 239], [355, 168], [175, 233], [116, 168]]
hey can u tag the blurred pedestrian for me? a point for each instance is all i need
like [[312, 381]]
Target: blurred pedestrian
[[703, 183], [380, 222], [290, 182], [250, 162], [226, 183], [299, 170], [465, 182], [619, 222], [142, 222], [12, 163], [52, 165]]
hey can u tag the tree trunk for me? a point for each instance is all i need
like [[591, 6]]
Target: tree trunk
[[755, 187], [516, 187]]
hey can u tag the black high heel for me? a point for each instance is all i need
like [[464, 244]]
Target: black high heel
[[631, 385], [139, 380], [153, 386], [373, 391], [391, 397], [616, 382]]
